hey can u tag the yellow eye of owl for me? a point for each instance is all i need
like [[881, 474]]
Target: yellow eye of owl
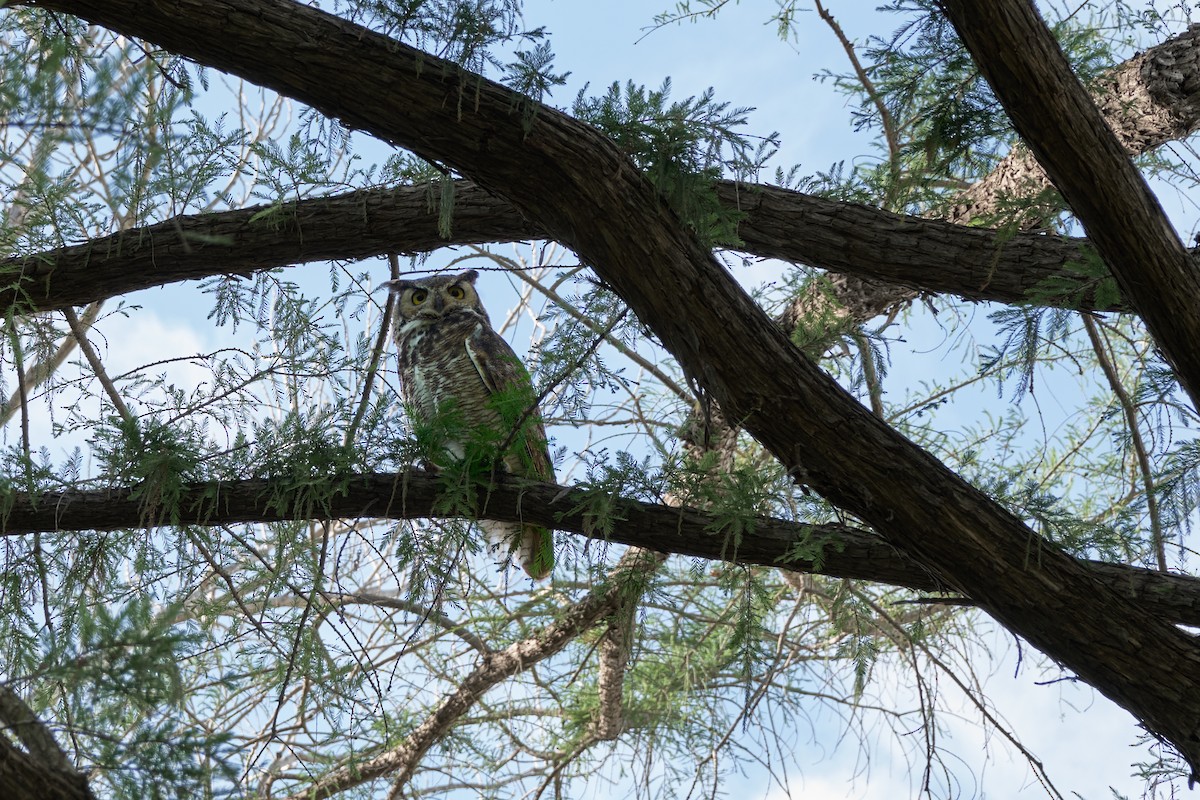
[[418, 296], [456, 292]]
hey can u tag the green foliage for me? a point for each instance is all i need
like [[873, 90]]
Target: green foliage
[[1027, 332], [111, 668], [1178, 483], [531, 73], [812, 548], [682, 147], [948, 128], [860, 645], [568, 366], [467, 32], [1080, 281], [156, 458], [1118, 539]]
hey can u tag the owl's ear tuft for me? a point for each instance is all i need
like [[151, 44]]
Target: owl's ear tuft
[[398, 285], [467, 277]]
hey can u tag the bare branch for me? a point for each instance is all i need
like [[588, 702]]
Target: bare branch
[[79, 332], [401, 761]]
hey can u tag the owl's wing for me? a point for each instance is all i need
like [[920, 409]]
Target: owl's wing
[[503, 374]]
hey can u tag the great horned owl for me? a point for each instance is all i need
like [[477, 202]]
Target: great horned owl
[[458, 371]]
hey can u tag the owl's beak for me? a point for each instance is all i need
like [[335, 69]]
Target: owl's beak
[[438, 303]]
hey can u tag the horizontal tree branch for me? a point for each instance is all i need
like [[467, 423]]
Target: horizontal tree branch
[[840, 551], [591, 197], [1151, 99], [927, 255]]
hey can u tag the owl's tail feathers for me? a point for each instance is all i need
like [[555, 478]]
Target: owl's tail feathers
[[532, 545], [536, 551]]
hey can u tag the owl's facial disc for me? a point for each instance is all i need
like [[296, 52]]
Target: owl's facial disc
[[423, 304]]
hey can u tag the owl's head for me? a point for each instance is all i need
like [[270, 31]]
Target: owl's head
[[436, 296]]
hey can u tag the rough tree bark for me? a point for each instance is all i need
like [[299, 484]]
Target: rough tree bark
[[588, 196], [1151, 99], [1066, 131], [22, 776], [844, 550], [927, 255]]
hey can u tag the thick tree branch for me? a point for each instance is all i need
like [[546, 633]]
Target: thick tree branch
[[22, 777], [18, 719], [1055, 116], [1149, 100], [590, 197], [927, 255], [840, 551]]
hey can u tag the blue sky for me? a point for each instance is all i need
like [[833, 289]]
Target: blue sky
[[1082, 738]]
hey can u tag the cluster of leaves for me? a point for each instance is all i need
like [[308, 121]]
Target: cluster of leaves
[[682, 147], [944, 126]]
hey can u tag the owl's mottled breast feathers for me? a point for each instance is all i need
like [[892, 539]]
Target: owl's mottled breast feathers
[[452, 363]]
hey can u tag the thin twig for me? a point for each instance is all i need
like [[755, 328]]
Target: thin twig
[[885, 116], [304, 615], [1135, 437], [19, 364], [402, 760], [1039, 769], [385, 328], [89, 352], [41, 371], [870, 375], [533, 407], [562, 303]]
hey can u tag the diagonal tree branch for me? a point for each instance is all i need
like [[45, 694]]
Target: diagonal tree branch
[[21, 777], [17, 718], [1149, 100], [590, 197], [401, 761], [1062, 126]]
